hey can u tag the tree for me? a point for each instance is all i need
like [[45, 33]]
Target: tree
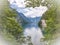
[[9, 22], [33, 3]]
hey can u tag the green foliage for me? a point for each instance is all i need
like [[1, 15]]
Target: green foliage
[[10, 23], [50, 17], [33, 3]]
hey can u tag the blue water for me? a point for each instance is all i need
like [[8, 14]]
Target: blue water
[[31, 16]]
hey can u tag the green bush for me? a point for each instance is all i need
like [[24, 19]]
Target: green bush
[[50, 17], [10, 23]]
